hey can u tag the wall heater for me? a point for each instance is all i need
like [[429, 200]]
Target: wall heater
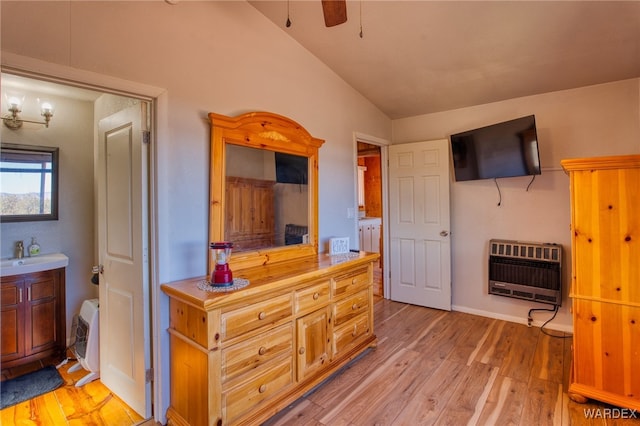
[[86, 346], [526, 270]]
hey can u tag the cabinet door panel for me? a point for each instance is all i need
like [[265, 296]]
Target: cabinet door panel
[[313, 342], [606, 342], [42, 289], [12, 334], [42, 326]]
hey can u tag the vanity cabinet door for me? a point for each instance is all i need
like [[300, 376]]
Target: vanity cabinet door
[[40, 319], [12, 318], [313, 338], [33, 325]]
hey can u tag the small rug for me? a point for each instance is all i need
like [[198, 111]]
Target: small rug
[[29, 385]]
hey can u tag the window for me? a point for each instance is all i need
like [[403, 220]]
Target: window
[[28, 183]]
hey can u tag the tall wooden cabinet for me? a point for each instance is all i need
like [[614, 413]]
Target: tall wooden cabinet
[[249, 213], [33, 316], [605, 288], [238, 357]]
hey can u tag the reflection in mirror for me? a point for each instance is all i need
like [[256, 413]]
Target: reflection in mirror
[[267, 198], [28, 183]]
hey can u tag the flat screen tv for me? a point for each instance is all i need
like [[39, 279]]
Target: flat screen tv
[[501, 150]]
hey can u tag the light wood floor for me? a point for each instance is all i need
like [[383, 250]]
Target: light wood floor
[[449, 368], [430, 368], [92, 404]]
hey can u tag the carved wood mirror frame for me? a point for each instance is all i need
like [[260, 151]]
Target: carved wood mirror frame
[[262, 130]]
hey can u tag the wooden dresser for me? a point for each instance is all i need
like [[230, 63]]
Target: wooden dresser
[[239, 357], [605, 288]]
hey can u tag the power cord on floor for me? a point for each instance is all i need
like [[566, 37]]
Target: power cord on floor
[[555, 312]]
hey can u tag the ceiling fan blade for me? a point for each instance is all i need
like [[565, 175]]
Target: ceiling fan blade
[[335, 12]]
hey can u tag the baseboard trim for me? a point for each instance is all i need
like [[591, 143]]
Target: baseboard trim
[[511, 318]]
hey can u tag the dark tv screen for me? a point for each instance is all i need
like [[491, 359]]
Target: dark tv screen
[[291, 168], [501, 150]]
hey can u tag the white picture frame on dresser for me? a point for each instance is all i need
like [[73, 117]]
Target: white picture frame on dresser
[[338, 245]]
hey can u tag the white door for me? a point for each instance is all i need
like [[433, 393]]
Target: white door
[[123, 241], [419, 224]]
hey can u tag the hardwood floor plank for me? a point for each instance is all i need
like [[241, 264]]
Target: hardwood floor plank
[[493, 350], [504, 404], [467, 401], [541, 402], [521, 342], [469, 343], [432, 396], [439, 338], [411, 325], [303, 413], [548, 359], [382, 379], [404, 388]]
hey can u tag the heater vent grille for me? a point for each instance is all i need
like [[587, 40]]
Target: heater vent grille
[[526, 270]]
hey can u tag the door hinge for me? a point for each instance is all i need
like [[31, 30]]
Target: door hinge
[[148, 375], [146, 137]]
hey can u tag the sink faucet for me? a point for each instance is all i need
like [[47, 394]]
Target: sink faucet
[[19, 250]]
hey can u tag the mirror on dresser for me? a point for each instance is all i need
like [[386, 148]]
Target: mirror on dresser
[[264, 188]]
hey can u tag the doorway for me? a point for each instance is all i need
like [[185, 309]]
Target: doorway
[[77, 108], [370, 207]]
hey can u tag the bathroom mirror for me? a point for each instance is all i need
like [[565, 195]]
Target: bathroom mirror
[[28, 183], [264, 188]]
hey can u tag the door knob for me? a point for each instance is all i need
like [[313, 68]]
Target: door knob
[[444, 233], [99, 269]]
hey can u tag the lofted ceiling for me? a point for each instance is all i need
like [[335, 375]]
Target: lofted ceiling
[[419, 57]]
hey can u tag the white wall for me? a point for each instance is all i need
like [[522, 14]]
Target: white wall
[[71, 130], [589, 121], [222, 57]]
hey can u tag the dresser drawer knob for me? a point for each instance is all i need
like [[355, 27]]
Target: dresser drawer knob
[[262, 350], [262, 315], [301, 351], [316, 295], [354, 281], [355, 307], [355, 331], [262, 388]]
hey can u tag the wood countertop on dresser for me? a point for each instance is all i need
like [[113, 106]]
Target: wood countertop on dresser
[[270, 277]]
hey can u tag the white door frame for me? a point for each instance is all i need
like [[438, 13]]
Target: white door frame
[[158, 97], [384, 161]]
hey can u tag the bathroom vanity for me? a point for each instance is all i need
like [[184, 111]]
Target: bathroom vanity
[[33, 311], [240, 356]]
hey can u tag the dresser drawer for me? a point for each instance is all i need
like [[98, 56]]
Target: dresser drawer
[[350, 333], [349, 308], [247, 395], [350, 283], [256, 315], [312, 297], [253, 353]]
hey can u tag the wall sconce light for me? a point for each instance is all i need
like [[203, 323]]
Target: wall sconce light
[[14, 122]]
